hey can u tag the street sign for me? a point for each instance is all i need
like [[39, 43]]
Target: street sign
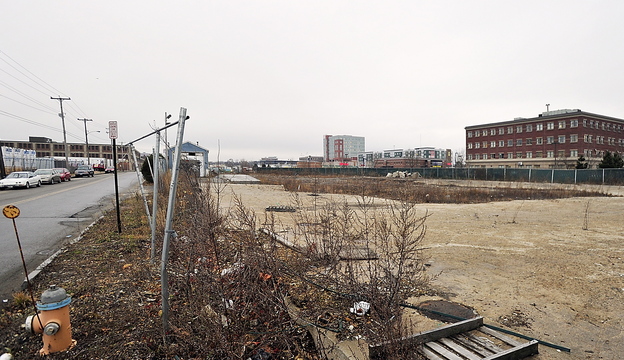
[[112, 129]]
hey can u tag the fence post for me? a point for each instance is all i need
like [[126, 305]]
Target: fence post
[[603, 170], [575, 172], [552, 176]]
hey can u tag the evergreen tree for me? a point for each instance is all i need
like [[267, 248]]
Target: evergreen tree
[[611, 160], [581, 163], [146, 169]]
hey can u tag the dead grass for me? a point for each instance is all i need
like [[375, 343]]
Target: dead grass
[[416, 191]]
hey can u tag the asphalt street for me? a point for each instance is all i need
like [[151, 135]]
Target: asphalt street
[[50, 216]]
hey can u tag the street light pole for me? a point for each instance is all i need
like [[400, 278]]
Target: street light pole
[[86, 139]]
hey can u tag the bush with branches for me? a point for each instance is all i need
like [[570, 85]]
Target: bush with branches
[[229, 282]]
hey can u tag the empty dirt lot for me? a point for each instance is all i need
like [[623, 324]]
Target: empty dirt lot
[[549, 269]]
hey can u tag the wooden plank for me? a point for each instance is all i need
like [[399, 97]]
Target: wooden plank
[[465, 341], [486, 343], [516, 353], [500, 336], [441, 332], [443, 351], [430, 354], [459, 349]]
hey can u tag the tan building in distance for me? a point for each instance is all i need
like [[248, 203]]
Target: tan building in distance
[[45, 147], [553, 139]]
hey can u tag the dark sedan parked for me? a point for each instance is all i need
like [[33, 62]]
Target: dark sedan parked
[[84, 170]]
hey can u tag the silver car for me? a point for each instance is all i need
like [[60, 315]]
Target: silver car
[[20, 179], [49, 176]]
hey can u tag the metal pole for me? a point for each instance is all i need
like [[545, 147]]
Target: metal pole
[[138, 173], [170, 209], [167, 117], [30, 289], [62, 114], [116, 186], [86, 139], [2, 169], [155, 177]]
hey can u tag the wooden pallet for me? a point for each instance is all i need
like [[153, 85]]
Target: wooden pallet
[[465, 340]]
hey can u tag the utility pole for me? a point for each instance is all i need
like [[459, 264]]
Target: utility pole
[[62, 115], [86, 139]]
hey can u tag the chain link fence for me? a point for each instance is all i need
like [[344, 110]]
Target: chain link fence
[[562, 176]]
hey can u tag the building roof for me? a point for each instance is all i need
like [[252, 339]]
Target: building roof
[[555, 114], [190, 147]]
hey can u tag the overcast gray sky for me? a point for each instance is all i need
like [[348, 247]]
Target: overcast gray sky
[[270, 78]]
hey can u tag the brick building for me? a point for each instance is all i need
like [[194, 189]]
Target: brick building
[[553, 139]]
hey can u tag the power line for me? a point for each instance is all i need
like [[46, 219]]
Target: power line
[[32, 122], [26, 96], [50, 87], [30, 106], [22, 81]]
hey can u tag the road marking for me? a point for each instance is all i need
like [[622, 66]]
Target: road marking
[[52, 193]]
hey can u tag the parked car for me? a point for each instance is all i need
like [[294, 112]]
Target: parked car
[[83, 170], [98, 167], [65, 174], [48, 176], [109, 169], [23, 179]]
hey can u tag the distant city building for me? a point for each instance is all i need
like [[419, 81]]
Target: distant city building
[[553, 139], [341, 147], [45, 147], [421, 157], [310, 162], [274, 162]]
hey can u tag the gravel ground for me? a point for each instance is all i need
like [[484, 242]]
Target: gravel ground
[[549, 269]]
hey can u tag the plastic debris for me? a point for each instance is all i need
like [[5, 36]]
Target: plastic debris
[[360, 308]]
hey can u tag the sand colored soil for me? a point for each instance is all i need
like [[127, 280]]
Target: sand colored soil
[[549, 269]]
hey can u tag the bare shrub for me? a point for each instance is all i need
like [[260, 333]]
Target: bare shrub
[[361, 252], [226, 284]]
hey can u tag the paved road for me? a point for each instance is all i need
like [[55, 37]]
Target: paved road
[[50, 216]]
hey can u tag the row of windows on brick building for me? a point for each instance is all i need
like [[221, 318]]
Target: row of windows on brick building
[[606, 126], [561, 139]]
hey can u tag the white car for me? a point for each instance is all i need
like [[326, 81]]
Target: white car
[[23, 179], [48, 176]]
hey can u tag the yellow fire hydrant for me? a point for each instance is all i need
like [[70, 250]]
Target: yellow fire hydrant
[[52, 321]]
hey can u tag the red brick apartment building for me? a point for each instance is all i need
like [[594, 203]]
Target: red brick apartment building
[[553, 139]]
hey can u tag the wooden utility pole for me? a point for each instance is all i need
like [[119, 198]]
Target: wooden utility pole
[[62, 115], [86, 139]]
